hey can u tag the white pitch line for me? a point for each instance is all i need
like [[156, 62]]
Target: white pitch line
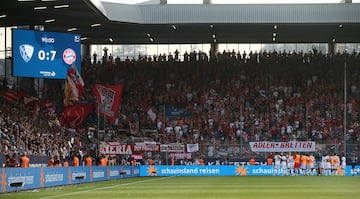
[[109, 187]]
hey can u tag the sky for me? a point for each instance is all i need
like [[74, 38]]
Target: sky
[[232, 1]]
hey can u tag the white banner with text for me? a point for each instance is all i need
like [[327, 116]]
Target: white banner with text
[[293, 146]]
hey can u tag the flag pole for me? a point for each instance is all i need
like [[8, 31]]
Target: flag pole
[[104, 115], [345, 108], [98, 130]]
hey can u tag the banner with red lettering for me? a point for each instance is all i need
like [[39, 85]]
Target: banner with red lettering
[[172, 147], [109, 98], [293, 146], [146, 147], [181, 156], [115, 148]]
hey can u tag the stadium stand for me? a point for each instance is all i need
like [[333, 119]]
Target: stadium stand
[[229, 101], [225, 99]]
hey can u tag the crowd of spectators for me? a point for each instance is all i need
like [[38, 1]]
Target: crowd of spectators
[[236, 98], [230, 99], [20, 134]]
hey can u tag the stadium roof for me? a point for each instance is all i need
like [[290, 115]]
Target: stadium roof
[[105, 22]]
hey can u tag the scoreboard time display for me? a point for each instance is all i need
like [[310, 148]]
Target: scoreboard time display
[[42, 54]]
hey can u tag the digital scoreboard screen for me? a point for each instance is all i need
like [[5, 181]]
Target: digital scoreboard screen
[[42, 54]]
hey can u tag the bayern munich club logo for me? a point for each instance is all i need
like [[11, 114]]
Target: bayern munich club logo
[[69, 56]]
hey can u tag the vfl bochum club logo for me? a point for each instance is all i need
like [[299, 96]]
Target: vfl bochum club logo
[[26, 52]]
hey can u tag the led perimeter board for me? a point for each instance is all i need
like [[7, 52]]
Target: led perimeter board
[[42, 54]]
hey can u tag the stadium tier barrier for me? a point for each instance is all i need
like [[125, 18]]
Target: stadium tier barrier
[[42, 177]]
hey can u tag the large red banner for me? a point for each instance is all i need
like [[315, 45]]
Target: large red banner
[[109, 98]]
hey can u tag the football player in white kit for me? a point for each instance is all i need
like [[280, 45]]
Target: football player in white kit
[[290, 164], [343, 164], [283, 164], [327, 166], [322, 164], [277, 160]]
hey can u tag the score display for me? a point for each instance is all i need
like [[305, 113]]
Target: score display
[[42, 54]]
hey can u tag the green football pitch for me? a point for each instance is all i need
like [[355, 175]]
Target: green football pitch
[[306, 187]]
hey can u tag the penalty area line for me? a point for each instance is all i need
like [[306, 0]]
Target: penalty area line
[[102, 188]]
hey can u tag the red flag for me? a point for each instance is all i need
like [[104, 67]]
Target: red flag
[[74, 116], [30, 101], [74, 86], [48, 108], [109, 98], [11, 96], [32, 104]]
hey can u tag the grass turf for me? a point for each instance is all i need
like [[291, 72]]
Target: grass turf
[[239, 187]]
